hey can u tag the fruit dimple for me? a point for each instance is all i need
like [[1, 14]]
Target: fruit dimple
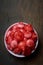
[[21, 39]]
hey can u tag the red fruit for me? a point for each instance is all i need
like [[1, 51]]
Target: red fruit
[[14, 27], [30, 43], [27, 34], [9, 47], [28, 28], [17, 29], [27, 51], [22, 46], [13, 44], [34, 37], [20, 25], [22, 30], [17, 51], [8, 40], [18, 35], [12, 35], [8, 33]]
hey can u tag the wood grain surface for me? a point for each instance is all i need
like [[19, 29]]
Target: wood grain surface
[[30, 11]]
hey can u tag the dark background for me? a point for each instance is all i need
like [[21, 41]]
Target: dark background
[[30, 11]]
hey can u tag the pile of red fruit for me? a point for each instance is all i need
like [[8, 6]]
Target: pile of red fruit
[[21, 38]]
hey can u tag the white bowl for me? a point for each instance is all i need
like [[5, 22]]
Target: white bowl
[[11, 51]]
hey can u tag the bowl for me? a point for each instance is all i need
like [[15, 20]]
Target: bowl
[[21, 56]]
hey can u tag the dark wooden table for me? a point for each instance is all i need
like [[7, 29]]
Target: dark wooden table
[[30, 11]]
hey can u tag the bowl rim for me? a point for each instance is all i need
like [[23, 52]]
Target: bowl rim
[[11, 51]]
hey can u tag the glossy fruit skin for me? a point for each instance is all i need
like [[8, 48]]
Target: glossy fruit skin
[[30, 43], [22, 46], [28, 28], [28, 35], [8, 39], [18, 35], [21, 39], [13, 44]]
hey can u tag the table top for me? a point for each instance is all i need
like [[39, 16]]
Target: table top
[[30, 11]]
